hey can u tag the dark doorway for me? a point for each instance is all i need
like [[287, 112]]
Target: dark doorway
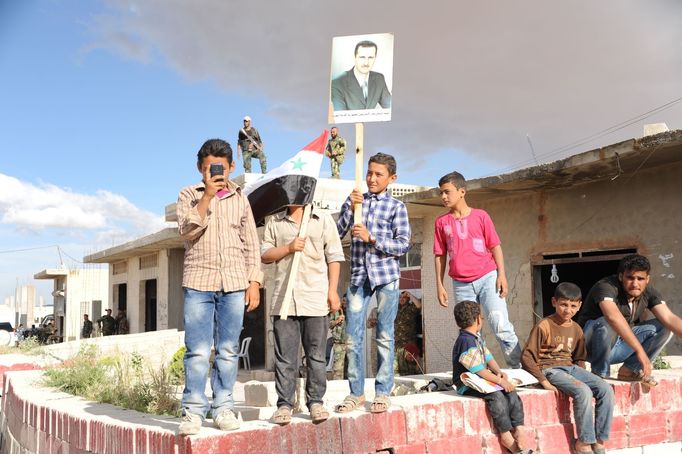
[[150, 305], [122, 297], [254, 327], [583, 268]]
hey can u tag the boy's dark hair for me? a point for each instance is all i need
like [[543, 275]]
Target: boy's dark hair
[[365, 44], [466, 313], [217, 148], [569, 291], [454, 178], [386, 160], [634, 262]]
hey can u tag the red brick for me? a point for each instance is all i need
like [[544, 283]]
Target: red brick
[[622, 397], [265, 440], [647, 429], [618, 439], [367, 432], [542, 408], [96, 436], [664, 396], [118, 439], [476, 417], [640, 401], [141, 440], [78, 432], [434, 421], [162, 442], [556, 438], [416, 448], [675, 421], [470, 444]]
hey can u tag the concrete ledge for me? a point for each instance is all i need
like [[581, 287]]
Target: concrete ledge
[[36, 419]]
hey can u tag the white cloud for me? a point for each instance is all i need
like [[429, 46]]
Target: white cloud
[[470, 77], [45, 206]]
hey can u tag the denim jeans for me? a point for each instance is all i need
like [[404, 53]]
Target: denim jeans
[[289, 333], [356, 313], [211, 318], [494, 309], [582, 385], [605, 347]]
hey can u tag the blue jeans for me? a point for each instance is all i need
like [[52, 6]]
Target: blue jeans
[[582, 385], [356, 314], [494, 309], [605, 347], [211, 318]]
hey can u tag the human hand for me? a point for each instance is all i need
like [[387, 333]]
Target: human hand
[[297, 245], [501, 285], [506, 385], [213, 184], [356, 197], [360, 231], [442, 296], [252, 296], [340, 319], [646, 364], [549, 387], [333, 302]]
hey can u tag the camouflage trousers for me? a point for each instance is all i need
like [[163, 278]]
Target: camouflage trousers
[[258, 154], [336, 162], [339, 361], [404, 366]]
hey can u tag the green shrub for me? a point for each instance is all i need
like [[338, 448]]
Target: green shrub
[[177, 367], [126, 383]]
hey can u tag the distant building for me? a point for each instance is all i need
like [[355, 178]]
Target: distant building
[[76, 292]]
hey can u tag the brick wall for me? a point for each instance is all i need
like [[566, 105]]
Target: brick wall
[[38, 420]]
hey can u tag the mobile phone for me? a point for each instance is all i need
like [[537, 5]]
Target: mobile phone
[[216, 169]]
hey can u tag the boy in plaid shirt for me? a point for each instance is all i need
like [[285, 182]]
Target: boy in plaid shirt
[[379, 239]]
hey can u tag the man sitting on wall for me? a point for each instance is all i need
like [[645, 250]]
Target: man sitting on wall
[[615, 326]]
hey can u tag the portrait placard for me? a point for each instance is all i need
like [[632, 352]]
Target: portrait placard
[[361, 81]]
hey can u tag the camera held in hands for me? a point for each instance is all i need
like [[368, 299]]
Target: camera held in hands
[[216, 169]]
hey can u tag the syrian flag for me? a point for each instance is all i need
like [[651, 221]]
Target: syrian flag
[[292, 183]]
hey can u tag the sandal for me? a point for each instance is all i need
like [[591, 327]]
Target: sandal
[[282, 416], [626, 374], [318, 413], [380, 404], [350, 403]]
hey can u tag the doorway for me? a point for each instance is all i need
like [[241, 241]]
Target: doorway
[[254, 327], [583, 268], [150, 305], [122, 297]]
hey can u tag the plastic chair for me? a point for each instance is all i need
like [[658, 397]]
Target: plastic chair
[[244, 353]]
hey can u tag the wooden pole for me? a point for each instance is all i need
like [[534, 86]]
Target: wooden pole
[[284, 310], [359, 161]]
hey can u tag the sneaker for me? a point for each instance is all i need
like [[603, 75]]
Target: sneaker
[[226, 420], [190, 424]]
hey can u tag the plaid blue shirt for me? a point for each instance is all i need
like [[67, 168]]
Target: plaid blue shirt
[[387, 221]]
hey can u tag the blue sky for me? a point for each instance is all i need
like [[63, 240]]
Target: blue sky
[[103, 104]]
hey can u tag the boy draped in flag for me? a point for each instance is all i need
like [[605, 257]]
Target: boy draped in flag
[[379, 239], [314, 296]]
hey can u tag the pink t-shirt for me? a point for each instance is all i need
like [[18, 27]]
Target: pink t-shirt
[[468, 242]]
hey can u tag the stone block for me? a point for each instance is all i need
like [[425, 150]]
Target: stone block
[[470, 444], [257, 394], [367, 432], [619, 437], [647, 429], [675, 424], [432, 416], [554, 439]]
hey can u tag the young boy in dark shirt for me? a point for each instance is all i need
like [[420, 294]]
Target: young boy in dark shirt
[[470, 354]]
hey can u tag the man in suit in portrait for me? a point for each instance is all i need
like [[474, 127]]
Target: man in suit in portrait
[[360, 87]]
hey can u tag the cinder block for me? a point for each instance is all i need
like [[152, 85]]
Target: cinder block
[[366, 432], [470, 444], [544, 408], [665, 396], [618, 438], [258, 394], [417, 448], [476, 418], [675, 422], [647, 429], [434, 419], [555, 439], [162, 442]]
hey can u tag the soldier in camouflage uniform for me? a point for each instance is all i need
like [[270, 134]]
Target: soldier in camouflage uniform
[[250, 145], [337, 325], [336, 150], [405, 334], [107, 323]]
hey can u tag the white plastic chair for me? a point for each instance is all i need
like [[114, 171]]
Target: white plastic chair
[[244, 353]]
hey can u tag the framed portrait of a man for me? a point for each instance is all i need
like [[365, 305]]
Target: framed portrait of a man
[[361, 82]]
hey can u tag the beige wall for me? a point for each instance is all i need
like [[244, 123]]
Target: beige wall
[[641, 211]]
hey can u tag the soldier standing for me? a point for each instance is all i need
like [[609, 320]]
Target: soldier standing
[[337, 325], [86, 331], [250, 145], [336, 151], [107, 323]]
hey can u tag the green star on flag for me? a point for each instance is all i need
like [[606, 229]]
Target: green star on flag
[[298, 164]]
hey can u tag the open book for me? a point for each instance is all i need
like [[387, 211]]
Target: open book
[[517, 377]]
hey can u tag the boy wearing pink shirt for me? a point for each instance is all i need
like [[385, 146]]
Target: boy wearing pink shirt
[[467, 235]]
